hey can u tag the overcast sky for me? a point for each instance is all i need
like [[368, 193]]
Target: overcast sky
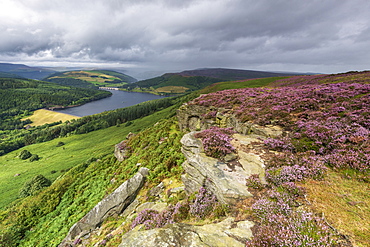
[[327, 36]]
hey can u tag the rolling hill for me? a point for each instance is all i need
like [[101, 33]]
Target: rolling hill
[[190, 80], [25, 71], [90, 78]]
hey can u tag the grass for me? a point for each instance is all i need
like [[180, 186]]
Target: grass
[[43, 116], [95, 77], [77, 149], [171, 89], [345, 203], [251, 83]]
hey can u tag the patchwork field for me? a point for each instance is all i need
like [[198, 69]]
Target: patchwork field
[[43, 116]]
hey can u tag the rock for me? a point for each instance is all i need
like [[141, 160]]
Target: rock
[[119, 153], [115, 203], [225, 233], [160, 206], [156, 191], [203, 171], [193, 118], [145, 205]]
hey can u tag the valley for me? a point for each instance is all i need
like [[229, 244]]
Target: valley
[[295, 148]]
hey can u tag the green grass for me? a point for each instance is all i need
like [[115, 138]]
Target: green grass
[[240, 84], [77, 149]]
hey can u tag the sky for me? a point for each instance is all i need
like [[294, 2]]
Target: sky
[[322, 36]]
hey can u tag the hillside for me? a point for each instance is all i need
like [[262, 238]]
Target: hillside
[[20, 97], [267, 162], [25, 71], [90, 78], [190, 80]]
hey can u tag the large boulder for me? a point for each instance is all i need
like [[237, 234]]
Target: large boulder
[[228, 184], [225, 233], [115, 203]]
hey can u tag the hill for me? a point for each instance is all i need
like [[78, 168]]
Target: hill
[[302, 143], [190, 80], [90, 78], [25, 71]]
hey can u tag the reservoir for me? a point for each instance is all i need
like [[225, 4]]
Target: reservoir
[[119, 99]]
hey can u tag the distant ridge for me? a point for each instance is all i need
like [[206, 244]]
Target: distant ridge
[[188, 80], [232, 74], [25, 71]]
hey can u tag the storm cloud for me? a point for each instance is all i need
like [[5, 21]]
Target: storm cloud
[[318, 35]]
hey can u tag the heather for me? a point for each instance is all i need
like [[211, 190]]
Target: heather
[[205, 204], [326, 123], [330, 120], [216, 141]]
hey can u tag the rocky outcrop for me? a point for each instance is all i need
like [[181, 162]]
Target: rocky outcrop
[[225, 233], [227, 180], [115, 203], [121, 150], [195, 117]]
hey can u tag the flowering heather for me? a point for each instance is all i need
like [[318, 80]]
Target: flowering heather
[[328, 114], [204, 204], [154, 219], [282, 225], [216, 141]]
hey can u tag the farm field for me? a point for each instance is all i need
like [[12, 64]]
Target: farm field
[[43, 116]]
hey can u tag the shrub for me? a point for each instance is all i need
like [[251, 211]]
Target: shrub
[[24, 154], [34, 157], [216, 141], [60, 144], [204, 204], [34, 185]]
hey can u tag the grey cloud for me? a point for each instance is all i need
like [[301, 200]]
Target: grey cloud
[[187, 34]]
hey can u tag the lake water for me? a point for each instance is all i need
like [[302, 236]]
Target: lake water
[[119, 99]]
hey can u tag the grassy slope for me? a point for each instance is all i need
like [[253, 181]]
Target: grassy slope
[[344, 202], [43, 116], [78, 149]]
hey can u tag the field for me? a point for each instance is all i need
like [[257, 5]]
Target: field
[[95, 77], [43, 116], [55, 160], [171, 89]]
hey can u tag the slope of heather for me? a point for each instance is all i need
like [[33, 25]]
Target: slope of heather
[[327, 119]]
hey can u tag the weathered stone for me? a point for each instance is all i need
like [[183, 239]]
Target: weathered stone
[[114, 203], [145, 205], [225, 233], [157, 190], [227, 184], [119, 153], [193, 118]]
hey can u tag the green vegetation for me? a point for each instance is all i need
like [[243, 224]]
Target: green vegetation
[[178, 82], [20, 96], [34, 185], [73, 194], [90, 78]]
